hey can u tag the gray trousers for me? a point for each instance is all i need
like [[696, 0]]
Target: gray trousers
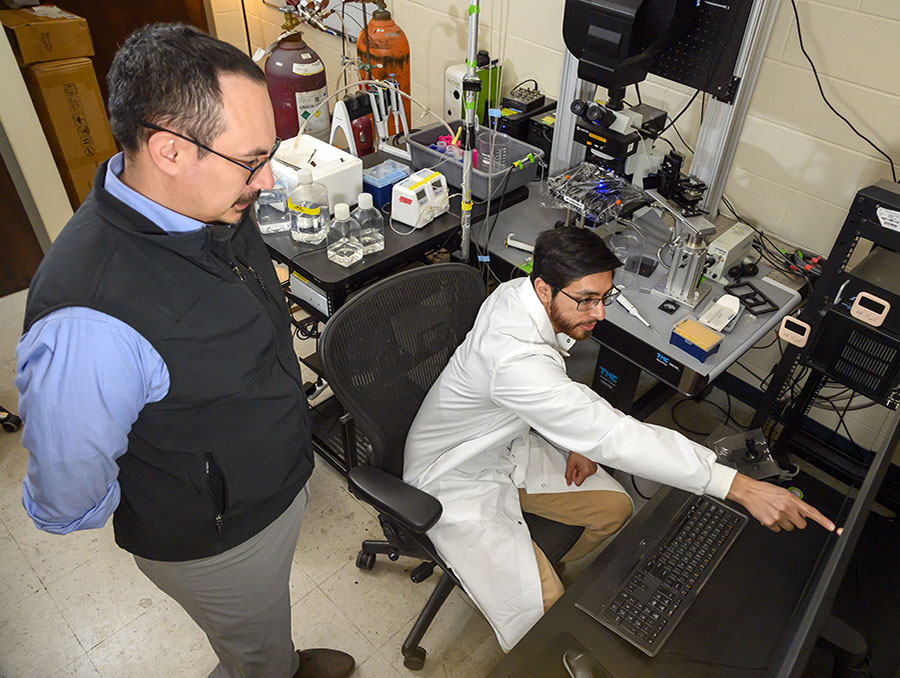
[[241, 598]]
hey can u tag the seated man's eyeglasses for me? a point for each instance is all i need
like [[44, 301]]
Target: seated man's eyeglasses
[[253, 169], [591, 304]]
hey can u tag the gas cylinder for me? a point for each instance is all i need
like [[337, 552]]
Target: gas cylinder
[[296, 80], [387, 50]]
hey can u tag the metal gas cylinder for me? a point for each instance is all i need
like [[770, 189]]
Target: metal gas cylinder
[[296, 80], [384, 46]]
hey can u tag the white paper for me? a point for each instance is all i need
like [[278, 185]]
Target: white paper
[[721, 313]]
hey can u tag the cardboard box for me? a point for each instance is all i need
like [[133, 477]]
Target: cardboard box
[[67, 99], [46, 33]]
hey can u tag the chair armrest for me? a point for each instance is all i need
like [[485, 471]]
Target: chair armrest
[[410, 505]]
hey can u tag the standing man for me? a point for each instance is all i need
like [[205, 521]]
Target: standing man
[[504, 430], [157, 377]]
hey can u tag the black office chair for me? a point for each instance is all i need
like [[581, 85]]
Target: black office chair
[[381, 353], [10, 422]]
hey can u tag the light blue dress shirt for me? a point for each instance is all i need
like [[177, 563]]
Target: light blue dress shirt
[[83, 378]]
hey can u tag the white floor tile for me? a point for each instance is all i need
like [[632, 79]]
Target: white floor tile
[[17, 579], [163, 642], [459, 643], [376, 666], [317, 622], [334, 526], [381, 601], [35, 639], [103, 595], [52, 556], [301, 584], [80, 668]]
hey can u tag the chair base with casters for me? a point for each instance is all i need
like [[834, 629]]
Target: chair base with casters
[[10, 422], [392, 496], [416, 319]]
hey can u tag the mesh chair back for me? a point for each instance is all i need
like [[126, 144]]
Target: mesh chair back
[[385, 347]]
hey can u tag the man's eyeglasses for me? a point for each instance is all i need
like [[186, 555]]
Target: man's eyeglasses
[[253, 169], [591, 304]]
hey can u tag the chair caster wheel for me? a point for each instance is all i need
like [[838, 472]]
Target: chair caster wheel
[[11, 423], [365, 561], [415, 660]]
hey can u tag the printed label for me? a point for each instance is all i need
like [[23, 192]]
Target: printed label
[[888, 218], [308, 69], [307, 102], [405, 200]]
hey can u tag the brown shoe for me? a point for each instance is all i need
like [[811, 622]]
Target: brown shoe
[[323, 663]]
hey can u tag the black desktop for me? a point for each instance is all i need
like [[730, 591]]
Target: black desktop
[[760, 614]]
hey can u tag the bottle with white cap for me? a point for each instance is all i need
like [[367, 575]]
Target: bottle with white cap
[[371, 225], [308, 204], [344, 247]]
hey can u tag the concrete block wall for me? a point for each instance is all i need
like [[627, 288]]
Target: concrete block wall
[[797, 166]]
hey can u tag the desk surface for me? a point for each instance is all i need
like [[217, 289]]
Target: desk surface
[[732, 629], [311, 262], [620, 330]]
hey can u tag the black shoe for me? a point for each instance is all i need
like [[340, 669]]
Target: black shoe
[[323, 663]]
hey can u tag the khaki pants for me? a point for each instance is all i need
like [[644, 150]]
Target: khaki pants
[[600, 512]]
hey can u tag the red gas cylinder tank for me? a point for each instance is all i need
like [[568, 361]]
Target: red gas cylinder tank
[[296, 80], [387, 49]]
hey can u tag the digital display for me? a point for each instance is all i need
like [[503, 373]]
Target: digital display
[[871, 305], [795, 327]]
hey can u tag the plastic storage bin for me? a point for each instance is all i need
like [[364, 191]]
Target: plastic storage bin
[[380, 179], [423, 157]]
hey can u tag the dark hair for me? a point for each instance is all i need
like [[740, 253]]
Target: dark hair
[[563, 255], [168, 74]]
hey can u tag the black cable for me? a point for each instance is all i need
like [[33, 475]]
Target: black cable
[[536, 86], [490, 231], [671, 145], [771, 343], [639, 493], [747, 369], [682, 426], [828, 103], [637, 90], [682, 112], [678, 134]]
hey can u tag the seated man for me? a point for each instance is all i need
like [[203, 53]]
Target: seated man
[[504, 430]]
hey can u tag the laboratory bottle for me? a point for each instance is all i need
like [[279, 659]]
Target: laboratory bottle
[[371, 225], [308, 204], [344, 247]]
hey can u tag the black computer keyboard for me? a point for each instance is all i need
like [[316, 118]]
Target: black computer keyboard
[[653, 598]]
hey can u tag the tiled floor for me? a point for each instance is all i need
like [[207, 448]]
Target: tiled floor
[[76, 606]]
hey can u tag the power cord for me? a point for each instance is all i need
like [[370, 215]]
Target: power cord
[[828, 103]]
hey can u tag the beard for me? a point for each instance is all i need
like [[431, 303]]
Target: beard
[[571, 327], [247, 199]]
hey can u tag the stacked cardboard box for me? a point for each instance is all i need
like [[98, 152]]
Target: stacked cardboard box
[[52, 47]]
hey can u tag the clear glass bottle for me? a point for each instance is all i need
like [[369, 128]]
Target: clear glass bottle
[[308, 204], [272, 214], [371, 225], [344, 247]]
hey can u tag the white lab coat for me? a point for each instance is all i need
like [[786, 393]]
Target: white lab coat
[[483, 431]]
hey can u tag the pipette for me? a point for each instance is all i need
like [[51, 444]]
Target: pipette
[[631, 308]]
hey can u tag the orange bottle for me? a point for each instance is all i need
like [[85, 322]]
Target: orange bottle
[[387, 50]]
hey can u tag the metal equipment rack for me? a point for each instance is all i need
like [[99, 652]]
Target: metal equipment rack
[[841, 349]]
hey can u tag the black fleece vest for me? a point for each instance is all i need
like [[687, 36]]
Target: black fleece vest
[[228, 448]]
